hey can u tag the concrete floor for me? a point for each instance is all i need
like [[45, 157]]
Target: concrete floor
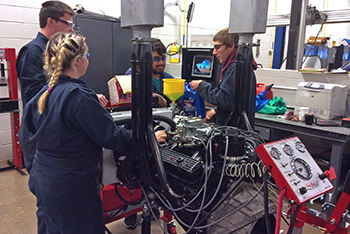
[[17, 209]]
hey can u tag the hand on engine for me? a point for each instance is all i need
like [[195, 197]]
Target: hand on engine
[[161, 101], [161, 136]]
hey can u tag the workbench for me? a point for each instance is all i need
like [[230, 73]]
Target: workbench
[[272, 127]]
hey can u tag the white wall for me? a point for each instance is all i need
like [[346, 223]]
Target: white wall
[[19, 24]]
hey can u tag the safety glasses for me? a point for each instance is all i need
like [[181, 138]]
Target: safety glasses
[[70, 24], [157, 58], [217, 47]]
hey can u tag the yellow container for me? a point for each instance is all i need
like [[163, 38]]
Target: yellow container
[[173, 88], [175, 56]]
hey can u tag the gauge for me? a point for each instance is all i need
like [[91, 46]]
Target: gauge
[[301, 168], [275, 153], [300, 146], [288, 150]]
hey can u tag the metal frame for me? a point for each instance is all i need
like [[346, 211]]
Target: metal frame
[[10, 56], [333, 17]]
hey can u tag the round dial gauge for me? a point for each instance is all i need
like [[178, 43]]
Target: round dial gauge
[[288, 150], [275, 153], [300, 146], [301, 168]]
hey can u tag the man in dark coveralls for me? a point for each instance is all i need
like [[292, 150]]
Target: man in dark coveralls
[[54, 16]]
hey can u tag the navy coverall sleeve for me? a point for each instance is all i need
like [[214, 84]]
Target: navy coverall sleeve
[[223, 95], [97, 123], [30, 69]]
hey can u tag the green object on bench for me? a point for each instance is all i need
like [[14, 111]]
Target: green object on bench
[[276, 106]]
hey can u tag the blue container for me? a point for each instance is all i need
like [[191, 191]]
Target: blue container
[[192, 103]]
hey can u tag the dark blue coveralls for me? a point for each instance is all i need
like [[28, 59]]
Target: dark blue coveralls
[[69, 137]]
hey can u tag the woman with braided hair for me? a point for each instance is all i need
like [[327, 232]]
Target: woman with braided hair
[[69, 128]]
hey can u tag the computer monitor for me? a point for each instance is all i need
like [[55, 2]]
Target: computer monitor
[[200, 64]]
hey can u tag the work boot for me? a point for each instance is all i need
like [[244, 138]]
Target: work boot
[[130, 222]]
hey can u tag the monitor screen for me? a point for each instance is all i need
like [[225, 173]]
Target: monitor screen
[[202, 66]]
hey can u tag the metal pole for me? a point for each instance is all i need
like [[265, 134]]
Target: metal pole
[[301, 36]]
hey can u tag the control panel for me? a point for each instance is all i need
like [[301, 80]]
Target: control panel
[[293, 168]]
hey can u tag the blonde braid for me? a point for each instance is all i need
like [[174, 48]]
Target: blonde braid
[[55, 70], [54, 45], [60, 51]]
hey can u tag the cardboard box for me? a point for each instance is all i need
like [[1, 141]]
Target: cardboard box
[[320, 41], [119, 88]]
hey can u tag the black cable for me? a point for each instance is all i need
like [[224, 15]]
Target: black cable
[[347, 63], [266, 202], [167, 120], [177, 52], [163, 118], [125, 201], [292, 221], [285, 220]]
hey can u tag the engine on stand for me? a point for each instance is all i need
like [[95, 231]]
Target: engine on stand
[[205, 165]]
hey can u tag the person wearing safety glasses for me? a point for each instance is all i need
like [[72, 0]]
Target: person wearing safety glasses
[[159, 63], [54, 16], [223, 96]]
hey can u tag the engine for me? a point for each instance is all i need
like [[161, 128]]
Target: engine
[[202, 162]]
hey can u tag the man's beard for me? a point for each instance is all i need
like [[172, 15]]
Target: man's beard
[[157, 71]]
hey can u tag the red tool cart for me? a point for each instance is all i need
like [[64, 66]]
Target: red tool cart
[[10, 105]]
